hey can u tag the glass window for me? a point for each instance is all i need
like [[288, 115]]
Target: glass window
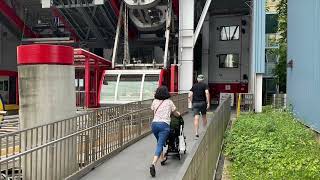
[[6, 85], [228, 60], [76, 82], [150, 86], [229, 33], [108, 89], [1, 85], [272, 40], [129, 87], [272, 55]]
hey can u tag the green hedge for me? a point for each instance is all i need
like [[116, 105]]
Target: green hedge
[[272, 145]]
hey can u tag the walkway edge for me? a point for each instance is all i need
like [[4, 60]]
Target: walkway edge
[[203, 158]]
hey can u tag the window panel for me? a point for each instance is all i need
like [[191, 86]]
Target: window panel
[[108, 89], [129, 87], [150, 86], [228, 60], [229, 33], [272, 55]]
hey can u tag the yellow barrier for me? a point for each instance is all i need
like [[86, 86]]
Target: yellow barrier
[[10, 151], [238, 105], [1, 104], [1, 109], [11, 107]]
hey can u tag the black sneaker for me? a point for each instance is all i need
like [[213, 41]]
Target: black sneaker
[[197, 136], [164, 161], [152, 170]]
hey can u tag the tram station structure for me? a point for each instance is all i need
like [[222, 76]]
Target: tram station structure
[[77, 76], [148, 43]]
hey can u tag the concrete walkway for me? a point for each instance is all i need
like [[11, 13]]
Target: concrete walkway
[[133, 163]]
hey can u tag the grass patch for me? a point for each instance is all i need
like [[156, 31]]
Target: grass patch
[[272, 145]]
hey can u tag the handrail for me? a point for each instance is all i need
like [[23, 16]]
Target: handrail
[[70, 148], [202, 161]]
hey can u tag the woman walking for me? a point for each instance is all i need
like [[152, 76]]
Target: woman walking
[[162, 107]]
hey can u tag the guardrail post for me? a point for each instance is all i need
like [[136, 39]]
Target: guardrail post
[[120, 131], [94, 135], [139, 123]]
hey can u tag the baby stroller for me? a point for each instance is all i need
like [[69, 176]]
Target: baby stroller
[[176, 129]]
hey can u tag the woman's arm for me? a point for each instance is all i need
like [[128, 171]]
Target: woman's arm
[[174, 110], [176, 113]]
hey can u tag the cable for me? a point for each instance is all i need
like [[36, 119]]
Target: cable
[[24, 25]]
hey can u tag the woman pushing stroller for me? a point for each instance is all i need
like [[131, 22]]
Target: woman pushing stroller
[[162, 107]]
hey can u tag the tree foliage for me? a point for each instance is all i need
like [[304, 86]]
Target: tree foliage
[[280, 72]]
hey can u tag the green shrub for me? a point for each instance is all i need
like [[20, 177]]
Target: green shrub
[[272, 145]]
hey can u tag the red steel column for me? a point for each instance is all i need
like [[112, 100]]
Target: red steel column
[[96, 83], [87, 82]]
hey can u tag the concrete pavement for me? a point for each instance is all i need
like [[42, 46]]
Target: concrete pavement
[[133, 163]]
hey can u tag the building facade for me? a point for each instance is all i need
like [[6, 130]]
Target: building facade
[[303, 73]]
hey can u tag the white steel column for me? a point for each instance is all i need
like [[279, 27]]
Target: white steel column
[[258, 45], [205, 49], [258, 93], [186, 30], [201, 20], [115, 46], [167, 35]]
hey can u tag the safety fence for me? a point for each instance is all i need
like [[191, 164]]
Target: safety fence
[[70, 148], [245, 102], [202, 160], [279, 101]]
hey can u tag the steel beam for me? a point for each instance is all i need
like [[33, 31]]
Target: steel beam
[[46, 39], [107, 19], [89, 22], [67, 19], [68, 6], [5, 22], [167, 35], [115, 47], [205, 48], [201, 20], [66, 23], [9, 13]]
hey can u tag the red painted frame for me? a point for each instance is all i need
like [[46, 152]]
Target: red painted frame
[[89, 61], [45, 54], [217, 88]]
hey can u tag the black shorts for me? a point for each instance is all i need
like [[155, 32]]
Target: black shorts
[[199, 107]]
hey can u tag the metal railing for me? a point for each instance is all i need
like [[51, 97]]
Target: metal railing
[[279, 101], [203, 158], [245, 102], [70, 148]]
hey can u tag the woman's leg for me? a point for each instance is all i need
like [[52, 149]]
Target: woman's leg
[[155, 131], [164, 130]]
